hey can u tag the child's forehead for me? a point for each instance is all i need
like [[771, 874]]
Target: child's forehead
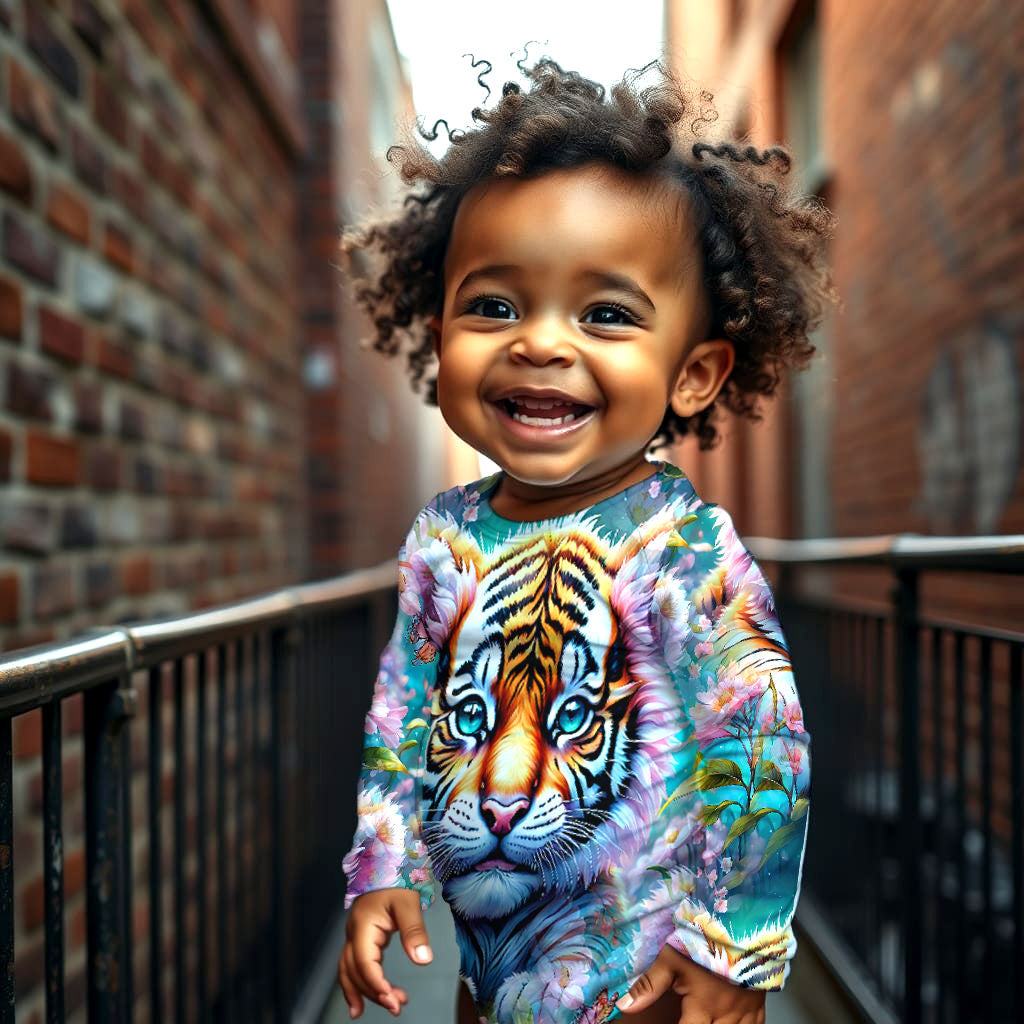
[[561, 207]]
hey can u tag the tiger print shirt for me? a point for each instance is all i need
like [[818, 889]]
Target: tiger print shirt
[[585, 730]]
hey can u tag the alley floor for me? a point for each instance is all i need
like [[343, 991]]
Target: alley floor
[[808, 998]]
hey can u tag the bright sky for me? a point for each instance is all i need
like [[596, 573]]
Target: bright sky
[[598, 38]]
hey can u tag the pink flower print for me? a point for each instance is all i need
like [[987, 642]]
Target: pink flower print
[[704, 648], [379, 848], [469, 514], [716, 708], [794, 755], [385, 718], [767, 722], [702, 625], [419, 876], [655, 489], [794, 716]]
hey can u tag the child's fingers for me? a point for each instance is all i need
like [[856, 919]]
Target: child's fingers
[[353, 997], [368, 973], [409, 918], [648, 988]]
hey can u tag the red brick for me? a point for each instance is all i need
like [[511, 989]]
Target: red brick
[[67, 212], [9, 584], [137, 575], [15, 174], [34, 106], [10, 308], [27, 735], [109, 110], [103, 468], [53, 461], [61, 336], [113, 357], [117, 247]]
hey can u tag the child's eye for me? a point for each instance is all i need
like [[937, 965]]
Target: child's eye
[[609, 314], [492, 308]]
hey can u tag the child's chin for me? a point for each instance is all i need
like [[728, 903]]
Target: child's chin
[[494, 893]]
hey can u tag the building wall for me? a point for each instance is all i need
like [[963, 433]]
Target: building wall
[[151, 430], [920, 158], [377, 454], [150, 427]]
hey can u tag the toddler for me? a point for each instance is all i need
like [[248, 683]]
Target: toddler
[[585, 730]]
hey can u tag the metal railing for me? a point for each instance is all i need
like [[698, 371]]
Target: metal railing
[[914, 877], [256, 785]]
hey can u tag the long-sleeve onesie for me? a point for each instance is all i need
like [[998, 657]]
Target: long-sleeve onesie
[[585, 730]]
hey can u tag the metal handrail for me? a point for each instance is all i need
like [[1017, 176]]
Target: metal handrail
[[991, 553], [33, 676]]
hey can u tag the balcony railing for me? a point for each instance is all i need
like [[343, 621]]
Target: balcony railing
[[221, 751], [220, 758], [914, 879]]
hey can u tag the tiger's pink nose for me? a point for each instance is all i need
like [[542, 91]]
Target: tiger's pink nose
[[502, 817]]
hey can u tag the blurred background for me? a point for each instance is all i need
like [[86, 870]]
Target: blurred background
[[187, 417]]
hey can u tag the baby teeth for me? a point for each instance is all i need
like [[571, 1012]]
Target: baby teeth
[[539, 421]]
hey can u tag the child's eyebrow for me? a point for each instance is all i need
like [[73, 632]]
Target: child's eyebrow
[[620, 282], [493, 270]]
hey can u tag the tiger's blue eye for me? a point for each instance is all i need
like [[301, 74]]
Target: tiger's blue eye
[[573, 716], [470, 717]]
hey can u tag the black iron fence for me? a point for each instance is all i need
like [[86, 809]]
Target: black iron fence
[[220, 757], [221, 749], [914, 877]]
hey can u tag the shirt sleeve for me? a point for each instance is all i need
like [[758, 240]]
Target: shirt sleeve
[[743, 787], [388, 851]]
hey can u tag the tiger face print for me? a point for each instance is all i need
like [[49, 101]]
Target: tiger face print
[[540, 733]]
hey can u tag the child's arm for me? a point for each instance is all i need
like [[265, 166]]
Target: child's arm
[[388, 869], [746, 787]]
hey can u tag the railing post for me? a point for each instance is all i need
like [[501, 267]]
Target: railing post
[[284, 643], [107, 819], [908, 675]]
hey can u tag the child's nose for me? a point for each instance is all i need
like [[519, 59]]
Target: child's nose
[[543, 343]]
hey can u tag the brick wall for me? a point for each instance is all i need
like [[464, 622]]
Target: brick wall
[[922, 118], [150, 426]]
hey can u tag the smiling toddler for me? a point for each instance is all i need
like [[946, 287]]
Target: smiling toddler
[[585, 729]]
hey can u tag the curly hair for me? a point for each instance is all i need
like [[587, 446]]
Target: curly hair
[[762, 244]]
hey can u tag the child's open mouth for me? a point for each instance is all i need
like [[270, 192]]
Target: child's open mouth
[[546, 413]]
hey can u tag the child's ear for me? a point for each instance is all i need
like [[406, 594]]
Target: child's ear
[[434, 326], [706, 367]]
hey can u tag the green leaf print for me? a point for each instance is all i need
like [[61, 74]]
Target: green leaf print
[[744, 823], [416, 723], [522, 1014], [719, 772], [382, 759], [709, 815], [800, 806], [408, 745], [779, 838], [771, 777]]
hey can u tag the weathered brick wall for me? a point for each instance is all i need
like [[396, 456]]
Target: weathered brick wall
[[151, 433], [922, 125], [152, 438]]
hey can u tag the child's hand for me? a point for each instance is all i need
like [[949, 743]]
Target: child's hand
[[708, 998], [373, 918]]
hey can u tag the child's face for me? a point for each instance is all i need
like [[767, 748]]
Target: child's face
[[572, 301]]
